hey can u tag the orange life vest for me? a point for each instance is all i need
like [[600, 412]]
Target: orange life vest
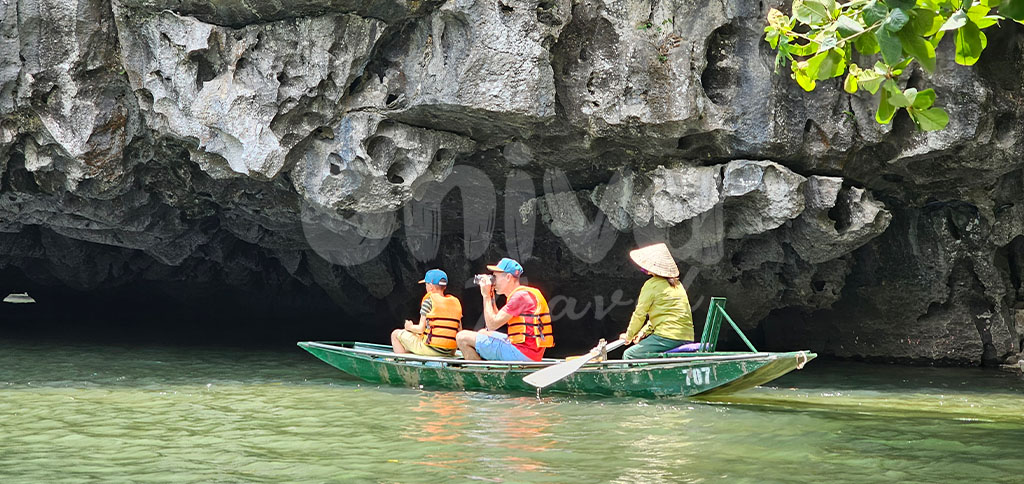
[[536, 325], [443, 321]]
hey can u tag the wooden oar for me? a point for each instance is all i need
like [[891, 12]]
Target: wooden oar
[[554, 373]]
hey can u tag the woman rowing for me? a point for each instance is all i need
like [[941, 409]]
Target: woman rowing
[[662, 302]]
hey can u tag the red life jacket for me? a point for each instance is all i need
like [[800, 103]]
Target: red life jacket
[[536, 325]]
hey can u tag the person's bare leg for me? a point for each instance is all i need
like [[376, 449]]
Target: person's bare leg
[[396, 345], [466, 340]]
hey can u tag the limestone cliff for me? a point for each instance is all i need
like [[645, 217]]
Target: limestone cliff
[[341, 147]]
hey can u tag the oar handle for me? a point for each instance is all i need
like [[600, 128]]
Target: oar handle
[[613, 345], [603, 348]]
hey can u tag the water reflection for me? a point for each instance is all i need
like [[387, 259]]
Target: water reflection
[[439, 417], [526, 431], [481, 435]]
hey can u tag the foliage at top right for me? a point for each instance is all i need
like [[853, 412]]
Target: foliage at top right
[[818, 39]]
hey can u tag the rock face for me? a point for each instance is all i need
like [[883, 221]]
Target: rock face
[[324, 153]]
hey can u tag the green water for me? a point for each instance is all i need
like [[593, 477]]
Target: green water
[[150, 414]]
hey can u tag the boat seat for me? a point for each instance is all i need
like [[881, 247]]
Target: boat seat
[[687, 348], [709, 338]]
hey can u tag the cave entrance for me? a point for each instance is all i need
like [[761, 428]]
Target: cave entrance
[[173, 313]]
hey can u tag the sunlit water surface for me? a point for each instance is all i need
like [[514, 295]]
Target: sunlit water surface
[[155, 414]]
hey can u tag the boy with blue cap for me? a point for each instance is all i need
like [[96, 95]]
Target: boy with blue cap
[[440, 321], [525, 312]]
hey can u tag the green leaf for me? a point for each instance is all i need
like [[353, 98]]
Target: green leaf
[[970, 41], [932, 119], [988, 21], [896, 19], [832, 65], [811, 11], [801, 77], [900, 99], [910, 94], [806, 72], [847, 26], [890, 45], [874, 12], [805, 82], [885, 110], [904, 4], [782, 57], [771, 35], [871, 84], [957, 20], [850, 84], [1012, 9], [814, 63], [866, 44], [925, 22], [826, 40], [924, 99], [778, 19], [916, 46], [979, 15], [804, 49], [869, 79], [824, 65]]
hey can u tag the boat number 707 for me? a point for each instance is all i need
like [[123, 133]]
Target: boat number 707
[[698, 376]]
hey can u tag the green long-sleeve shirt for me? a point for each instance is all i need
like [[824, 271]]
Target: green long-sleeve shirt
[[667, 307]]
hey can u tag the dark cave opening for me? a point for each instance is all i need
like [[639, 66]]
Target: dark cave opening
[[175, 313]]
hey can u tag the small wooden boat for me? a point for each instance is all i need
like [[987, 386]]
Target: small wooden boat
[[19, 298], [706, 373]]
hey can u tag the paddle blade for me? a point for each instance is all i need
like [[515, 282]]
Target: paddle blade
[[546, 376], [554, 373]]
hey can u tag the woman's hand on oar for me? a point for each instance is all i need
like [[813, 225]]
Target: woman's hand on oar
[[636, 339], [629, 341], [643, 333]]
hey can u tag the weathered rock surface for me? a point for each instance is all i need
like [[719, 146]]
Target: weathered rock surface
[[245, 96], [240, 13], [324, 153], [337, 170]]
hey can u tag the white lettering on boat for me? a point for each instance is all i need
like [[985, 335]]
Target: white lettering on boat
[[698, 376]]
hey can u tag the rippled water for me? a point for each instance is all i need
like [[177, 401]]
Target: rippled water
[[151, 414]]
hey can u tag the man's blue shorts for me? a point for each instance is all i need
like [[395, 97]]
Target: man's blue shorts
[[495, 346]]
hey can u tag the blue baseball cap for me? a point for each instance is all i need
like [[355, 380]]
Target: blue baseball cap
[[435, 276], [508, 265]]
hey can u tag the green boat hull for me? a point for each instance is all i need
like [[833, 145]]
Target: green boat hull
[[697, 374]]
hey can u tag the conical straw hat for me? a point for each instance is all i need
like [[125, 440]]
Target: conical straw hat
[[656, 259]]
